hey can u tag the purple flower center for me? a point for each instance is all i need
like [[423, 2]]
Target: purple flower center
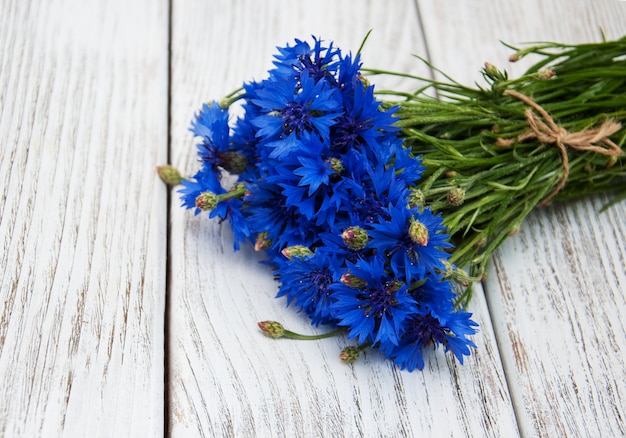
[[295, 118], [426, 330], [348, 132], [380, 300]]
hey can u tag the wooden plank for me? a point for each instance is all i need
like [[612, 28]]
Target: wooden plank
[[83, 121], [556, 290], [225, 378]]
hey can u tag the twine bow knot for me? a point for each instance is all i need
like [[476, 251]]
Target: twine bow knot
[[546, 130]]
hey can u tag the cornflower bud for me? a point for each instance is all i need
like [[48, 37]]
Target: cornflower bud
[[233, 162], [169, 174], [272, 329], [456, 196], [514, 57], [296, 251], [336, 165], [418, 232], [355, 237], [262, 242], [491, 70], [350, 354], [544, 75], [206, 201], [353, 281], [416, 198]]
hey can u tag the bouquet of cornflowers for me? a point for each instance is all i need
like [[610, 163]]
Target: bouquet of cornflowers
[[357, 202]]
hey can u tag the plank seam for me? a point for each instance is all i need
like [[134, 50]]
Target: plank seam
[[168, 264]]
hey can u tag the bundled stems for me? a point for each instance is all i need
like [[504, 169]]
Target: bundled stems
[[493, 154]]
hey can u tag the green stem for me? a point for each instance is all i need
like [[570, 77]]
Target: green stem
[[292, 335], [237, 192]]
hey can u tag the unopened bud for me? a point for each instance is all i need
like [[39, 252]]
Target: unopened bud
[[544, 75], [491, 70], [296, 251], [272, 329], [416, 198], [206, 201], [514, 57], [451, 173], [456, 196], [335, 165], [169, 174], [262, 242], [418, 232], [353, 281], [355, 237], [350, 354], [233, 162]]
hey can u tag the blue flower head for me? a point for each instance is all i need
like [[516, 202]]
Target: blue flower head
[[413, 251], [317, 62], [288, 114], [363, 122], [425, 330], [374, 312], [307, 283], [211, 125], [267, 212]]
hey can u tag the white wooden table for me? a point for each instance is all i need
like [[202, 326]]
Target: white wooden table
[[123, 315]]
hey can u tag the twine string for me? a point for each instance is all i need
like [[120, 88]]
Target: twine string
[[545, 129]]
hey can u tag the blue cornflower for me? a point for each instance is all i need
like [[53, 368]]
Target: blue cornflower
[[372, 190], [375, 312], [413, 240], [363, 122], [211, 124], [267, 212], [423, 330], [307, 281], [408, 169], [309, 182], [301, 60], [349, 74], [314, 173], [289, 114], [244, 137]]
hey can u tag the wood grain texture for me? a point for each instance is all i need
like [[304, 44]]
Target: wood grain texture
[[561, 320], [556, 291], [83, 119], [225, 378]]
